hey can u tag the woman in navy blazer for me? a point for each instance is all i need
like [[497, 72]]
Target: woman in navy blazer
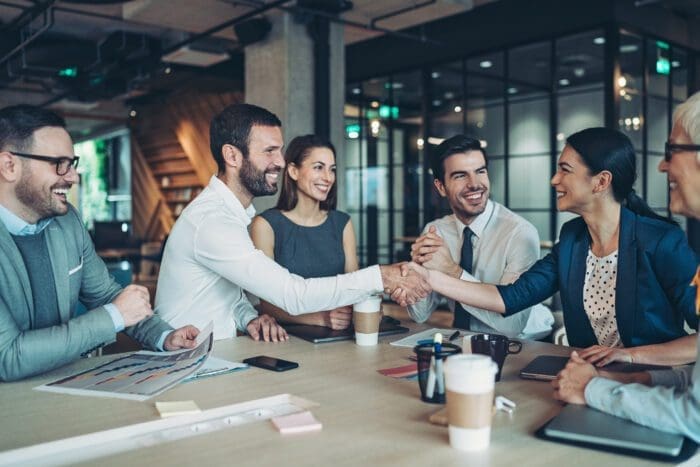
[[652, 297]]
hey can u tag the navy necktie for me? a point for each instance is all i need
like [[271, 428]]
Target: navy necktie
[[467, 257]]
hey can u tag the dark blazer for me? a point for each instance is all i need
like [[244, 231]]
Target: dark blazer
[[655, 265]]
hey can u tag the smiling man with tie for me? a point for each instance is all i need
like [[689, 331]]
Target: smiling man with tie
[[481, 241]]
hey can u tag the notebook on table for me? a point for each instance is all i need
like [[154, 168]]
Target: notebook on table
[[588, 427], [320, 334], [546, 367]]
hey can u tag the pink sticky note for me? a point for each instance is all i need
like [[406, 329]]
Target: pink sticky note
[[297, 423]]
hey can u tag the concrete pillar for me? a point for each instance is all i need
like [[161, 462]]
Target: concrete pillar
[[279, 75]]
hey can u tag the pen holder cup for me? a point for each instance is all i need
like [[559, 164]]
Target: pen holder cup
[[431, 374]]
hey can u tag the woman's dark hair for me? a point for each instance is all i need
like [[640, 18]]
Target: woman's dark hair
[[606, 149], [298, 150]]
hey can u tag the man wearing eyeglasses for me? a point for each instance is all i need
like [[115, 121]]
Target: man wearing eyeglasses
[[48, 262]]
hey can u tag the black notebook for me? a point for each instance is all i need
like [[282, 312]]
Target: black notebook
[[546, 367], [320, 334]]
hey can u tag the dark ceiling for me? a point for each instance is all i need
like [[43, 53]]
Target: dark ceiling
[[93, 59]]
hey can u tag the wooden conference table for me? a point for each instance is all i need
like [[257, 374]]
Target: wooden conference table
[[368, 419]]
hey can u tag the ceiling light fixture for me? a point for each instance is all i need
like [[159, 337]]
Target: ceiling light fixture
[[486, 64]]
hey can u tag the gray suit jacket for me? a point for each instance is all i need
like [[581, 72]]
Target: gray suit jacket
[[80, 275]]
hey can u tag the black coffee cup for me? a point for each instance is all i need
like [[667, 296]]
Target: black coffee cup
[[495, 346]]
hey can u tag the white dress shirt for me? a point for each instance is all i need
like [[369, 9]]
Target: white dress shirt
[[210, 260], [505, 245]]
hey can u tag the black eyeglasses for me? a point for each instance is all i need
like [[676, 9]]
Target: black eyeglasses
[[63, 164], [671, 149]]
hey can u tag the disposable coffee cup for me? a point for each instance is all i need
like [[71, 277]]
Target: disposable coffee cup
[[467, 344], [470, 381], [366, 317]]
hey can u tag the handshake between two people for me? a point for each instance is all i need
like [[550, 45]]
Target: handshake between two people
[[406, 282], [427, 252]]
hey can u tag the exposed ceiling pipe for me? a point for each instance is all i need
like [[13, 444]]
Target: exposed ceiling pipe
[[262, 9], [188, 41], [27, 16], [23, 21], [336, 19]]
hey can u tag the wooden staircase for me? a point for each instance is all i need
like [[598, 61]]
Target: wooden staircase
[[172, 161]]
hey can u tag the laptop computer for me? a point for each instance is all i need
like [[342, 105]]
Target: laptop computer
[[581, 424], [320, 334], [546, 367]]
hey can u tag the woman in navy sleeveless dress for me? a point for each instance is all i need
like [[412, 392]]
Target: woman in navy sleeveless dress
[[304, 232]]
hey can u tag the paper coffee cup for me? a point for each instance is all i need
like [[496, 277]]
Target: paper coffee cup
[[366, 317], [470, 380], [467, 344]]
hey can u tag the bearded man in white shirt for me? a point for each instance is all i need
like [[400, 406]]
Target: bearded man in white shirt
[[210, 261], [481, 241]]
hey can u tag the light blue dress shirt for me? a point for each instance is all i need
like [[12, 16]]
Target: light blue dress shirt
[[672, 405]]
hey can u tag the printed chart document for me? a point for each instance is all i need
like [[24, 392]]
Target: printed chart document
[[138, 376]]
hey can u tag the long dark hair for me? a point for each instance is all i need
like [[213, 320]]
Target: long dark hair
[[299, 149], [606, 149]]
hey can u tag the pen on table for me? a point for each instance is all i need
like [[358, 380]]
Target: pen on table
[[454, 336], [212, 372], [433, 371], [439, 377]]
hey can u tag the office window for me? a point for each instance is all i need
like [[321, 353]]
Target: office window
[[630, 89], [105, 178], [521, 102]]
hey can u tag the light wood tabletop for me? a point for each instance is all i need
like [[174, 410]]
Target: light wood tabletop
[[368, 419]]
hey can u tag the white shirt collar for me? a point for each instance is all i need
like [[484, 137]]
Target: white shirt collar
[[231, 201], [479, 224], [18, 226]]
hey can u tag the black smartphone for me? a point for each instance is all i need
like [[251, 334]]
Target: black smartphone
[[271, 363]]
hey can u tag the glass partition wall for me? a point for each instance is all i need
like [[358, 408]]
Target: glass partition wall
[[522, 103]]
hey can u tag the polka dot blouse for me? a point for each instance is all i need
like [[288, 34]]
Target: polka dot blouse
[[599, 297]]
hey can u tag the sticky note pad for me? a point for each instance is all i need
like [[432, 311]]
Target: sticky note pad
[[297, 423], [172, 409]]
